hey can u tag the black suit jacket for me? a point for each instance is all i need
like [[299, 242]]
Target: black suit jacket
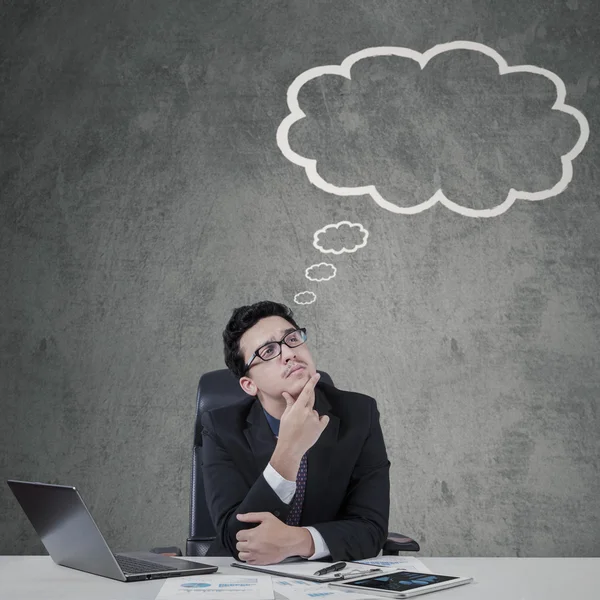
[[347, 488]]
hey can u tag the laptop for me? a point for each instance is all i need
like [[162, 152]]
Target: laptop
[[72, 538]]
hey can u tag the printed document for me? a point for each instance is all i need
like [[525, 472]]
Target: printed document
[[400, 563], [217, 587]]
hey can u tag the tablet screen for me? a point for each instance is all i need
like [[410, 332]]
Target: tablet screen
[[400, 582]]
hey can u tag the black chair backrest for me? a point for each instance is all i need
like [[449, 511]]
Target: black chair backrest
[[215, 389]]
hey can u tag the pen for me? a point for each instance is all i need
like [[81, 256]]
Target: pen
[[370, 571], [334, 567]]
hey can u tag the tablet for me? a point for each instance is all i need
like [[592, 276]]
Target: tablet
[[402, 584]]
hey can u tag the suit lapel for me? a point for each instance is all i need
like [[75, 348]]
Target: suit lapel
[[320, 459], [259, 436]]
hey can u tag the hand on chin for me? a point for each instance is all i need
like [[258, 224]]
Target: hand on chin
[[294, 384]]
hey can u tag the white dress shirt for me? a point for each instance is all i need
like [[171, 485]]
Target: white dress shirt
[[286, 489]]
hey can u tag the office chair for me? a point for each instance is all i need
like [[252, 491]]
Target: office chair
[[216, 389]]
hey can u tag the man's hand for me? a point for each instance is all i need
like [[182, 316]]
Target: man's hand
[[272, 540], [300, 427]]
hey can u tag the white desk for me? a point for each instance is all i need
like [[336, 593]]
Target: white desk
[[38, 578]]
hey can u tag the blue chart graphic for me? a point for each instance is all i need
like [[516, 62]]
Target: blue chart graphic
[[195, 585], [292, 582]]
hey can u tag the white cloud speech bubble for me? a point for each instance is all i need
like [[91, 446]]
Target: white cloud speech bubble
[[305, 297], [345, 228], [343, 70], [320, 272]]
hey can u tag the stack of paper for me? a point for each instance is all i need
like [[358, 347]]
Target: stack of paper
[[284, 581], [300, 589], [306, 569], [405, 563]]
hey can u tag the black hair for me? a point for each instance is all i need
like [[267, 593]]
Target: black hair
[[242, 319]]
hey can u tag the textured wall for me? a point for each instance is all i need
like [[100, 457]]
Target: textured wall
[[144, 196]]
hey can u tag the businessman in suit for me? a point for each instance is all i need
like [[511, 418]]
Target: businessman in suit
[[299, 468]]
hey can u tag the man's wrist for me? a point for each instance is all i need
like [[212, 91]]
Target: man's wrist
[[285, 462], [304, 544]]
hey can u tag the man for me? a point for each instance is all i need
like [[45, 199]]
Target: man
[[299, 468]]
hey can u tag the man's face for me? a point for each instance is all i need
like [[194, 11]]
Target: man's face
[[288, 372]]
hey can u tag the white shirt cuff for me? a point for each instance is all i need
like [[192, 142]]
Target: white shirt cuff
[[284, 488], [321, 549]]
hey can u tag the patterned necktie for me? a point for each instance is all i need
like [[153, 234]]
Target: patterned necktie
[[293, 518]]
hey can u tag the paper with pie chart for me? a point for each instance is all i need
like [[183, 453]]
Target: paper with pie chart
[[219, 587]]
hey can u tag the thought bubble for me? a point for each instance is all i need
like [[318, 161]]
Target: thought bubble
[[454, 125], [305, 297], [320, 272], [341, 237]]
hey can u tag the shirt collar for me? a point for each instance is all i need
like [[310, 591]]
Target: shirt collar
[[273, 423]]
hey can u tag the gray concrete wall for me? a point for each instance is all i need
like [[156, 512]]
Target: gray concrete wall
[[144, 196]]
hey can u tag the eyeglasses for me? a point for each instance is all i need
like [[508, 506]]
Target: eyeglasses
[[272, 350]]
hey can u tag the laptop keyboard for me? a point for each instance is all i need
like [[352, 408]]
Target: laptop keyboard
[[135, 565]]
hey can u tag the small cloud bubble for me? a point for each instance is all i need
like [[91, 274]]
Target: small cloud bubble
[[320, 272], [305, 297], [340, 237]]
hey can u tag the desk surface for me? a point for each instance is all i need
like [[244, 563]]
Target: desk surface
[[38, 578]]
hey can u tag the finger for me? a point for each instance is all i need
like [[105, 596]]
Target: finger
[[324, 420], [312, 382], [309, 391], [257, 517], [245, 556], [289, 401], [243, 535], [242, 547], [309, 386]]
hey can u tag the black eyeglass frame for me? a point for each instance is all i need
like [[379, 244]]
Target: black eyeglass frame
[[280, 342]]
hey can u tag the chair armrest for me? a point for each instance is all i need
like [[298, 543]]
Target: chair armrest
[[167, 551], [198, 546], [398, 542]]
